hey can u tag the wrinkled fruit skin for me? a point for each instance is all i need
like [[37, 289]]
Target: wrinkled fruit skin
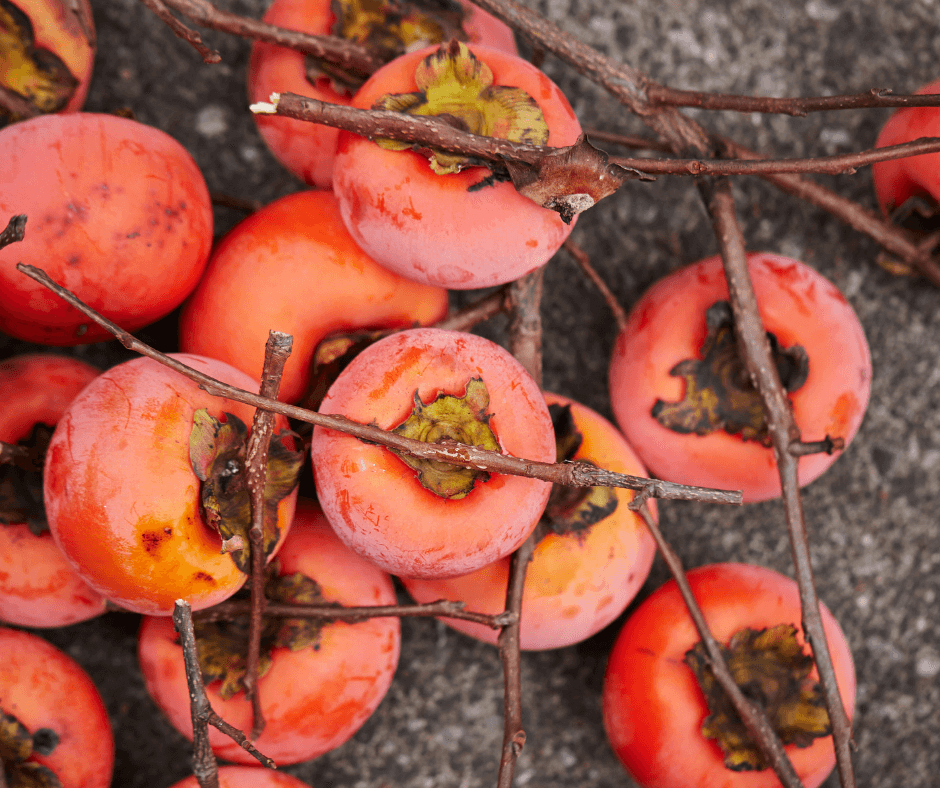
[[653, 707], [308, 150], [118, 213], [428, 227], [375, 502], [900, 179], [293, 266], [667, 325], [313, 700], [247, 777], [38, 586], [577, 583], [122, 498], [45, 688]]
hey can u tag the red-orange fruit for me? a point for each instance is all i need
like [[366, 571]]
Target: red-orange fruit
[[247, 777], [38, 586]]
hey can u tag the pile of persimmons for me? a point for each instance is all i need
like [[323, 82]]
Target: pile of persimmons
[[126, 487]]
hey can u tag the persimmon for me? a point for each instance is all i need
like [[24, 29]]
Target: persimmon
[[118, 213], [308, 149], [122, 494], [669, 722], [293, 267], [593, 555], [47, 51], [683, 399], [53, 723], [38, 586], [247, 777], [423, 518], [453, 230], [321, 680]]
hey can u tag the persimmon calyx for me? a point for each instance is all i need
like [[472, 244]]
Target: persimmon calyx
[[34, 73], [217, 455], [457, 87], [450, 418], [719, 394], [573, 510], [332, 356], [774, 671], [17, 745], [21, 498], [223, 645]]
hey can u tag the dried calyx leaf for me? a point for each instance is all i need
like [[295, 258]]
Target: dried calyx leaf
[[771, 668], [17, 746], [223, 645], [34, 73], [719, 394], [217, 455], [454, 86], [919, 214], [572, 179], [449, 418], [21, 498], [573, 510], [332, 356]]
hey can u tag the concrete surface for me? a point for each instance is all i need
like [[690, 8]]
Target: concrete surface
[[873, 516]]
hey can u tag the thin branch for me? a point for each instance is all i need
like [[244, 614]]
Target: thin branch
[[573, 474], [182, 31], [525, 322], [783, 431], [664, 96], [482, 309], [627, 140], [753, 717], [276, 352], [581, 258]]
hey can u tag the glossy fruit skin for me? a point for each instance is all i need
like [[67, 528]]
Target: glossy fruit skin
[[119, 214], [428, 227], [313, 700], [38, 586], [375, 502], [667, 325], [247, 777], [653, 707], [293, 267], [122, 498], [309, 149], [576, 583], [899, 179], [65, 32], [45, 688]]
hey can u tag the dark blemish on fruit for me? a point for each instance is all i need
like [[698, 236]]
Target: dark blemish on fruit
[[81, 330], [205, 578], [153, 539], [132, 235], [532, 243], [648, 651], [74, 260]]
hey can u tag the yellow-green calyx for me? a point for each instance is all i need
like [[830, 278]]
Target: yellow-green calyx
[[34, 73], [393, 28], [449, 418], [454, 85], [217, 456], [17, 745], [770, 666], [719, 394]]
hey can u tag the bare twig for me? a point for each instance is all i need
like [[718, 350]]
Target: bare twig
[[573, 474], [182, 31], [477, 312], [525, 322], [581, 258]]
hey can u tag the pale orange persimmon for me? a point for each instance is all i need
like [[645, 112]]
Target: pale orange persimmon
[[247, 777], [121, 495], [578, 581], [58, 705], [293, 267], [376, 502], [308, 149], [38, 586], [316, 697]]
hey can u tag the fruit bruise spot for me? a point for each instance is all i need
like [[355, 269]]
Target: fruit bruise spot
[[152, 540], [203, 577]]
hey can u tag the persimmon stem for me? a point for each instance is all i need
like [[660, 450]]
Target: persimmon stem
[[15, 230], [584, 262]]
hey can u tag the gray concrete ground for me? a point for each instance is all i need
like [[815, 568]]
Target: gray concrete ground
[[872, 517]]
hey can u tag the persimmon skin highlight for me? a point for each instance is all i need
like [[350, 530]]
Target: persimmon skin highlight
[[576, 583], [38, 586], [308, 150], [119, 214], [667, 325], [45, 688], [375, 502], [122, 498], [900, 179], [653, 706], [428, 227], [313, 700], [247, 777], [294, 267]]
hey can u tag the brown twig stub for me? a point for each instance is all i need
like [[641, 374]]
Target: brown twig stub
[[182, 31], [15, 231]]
